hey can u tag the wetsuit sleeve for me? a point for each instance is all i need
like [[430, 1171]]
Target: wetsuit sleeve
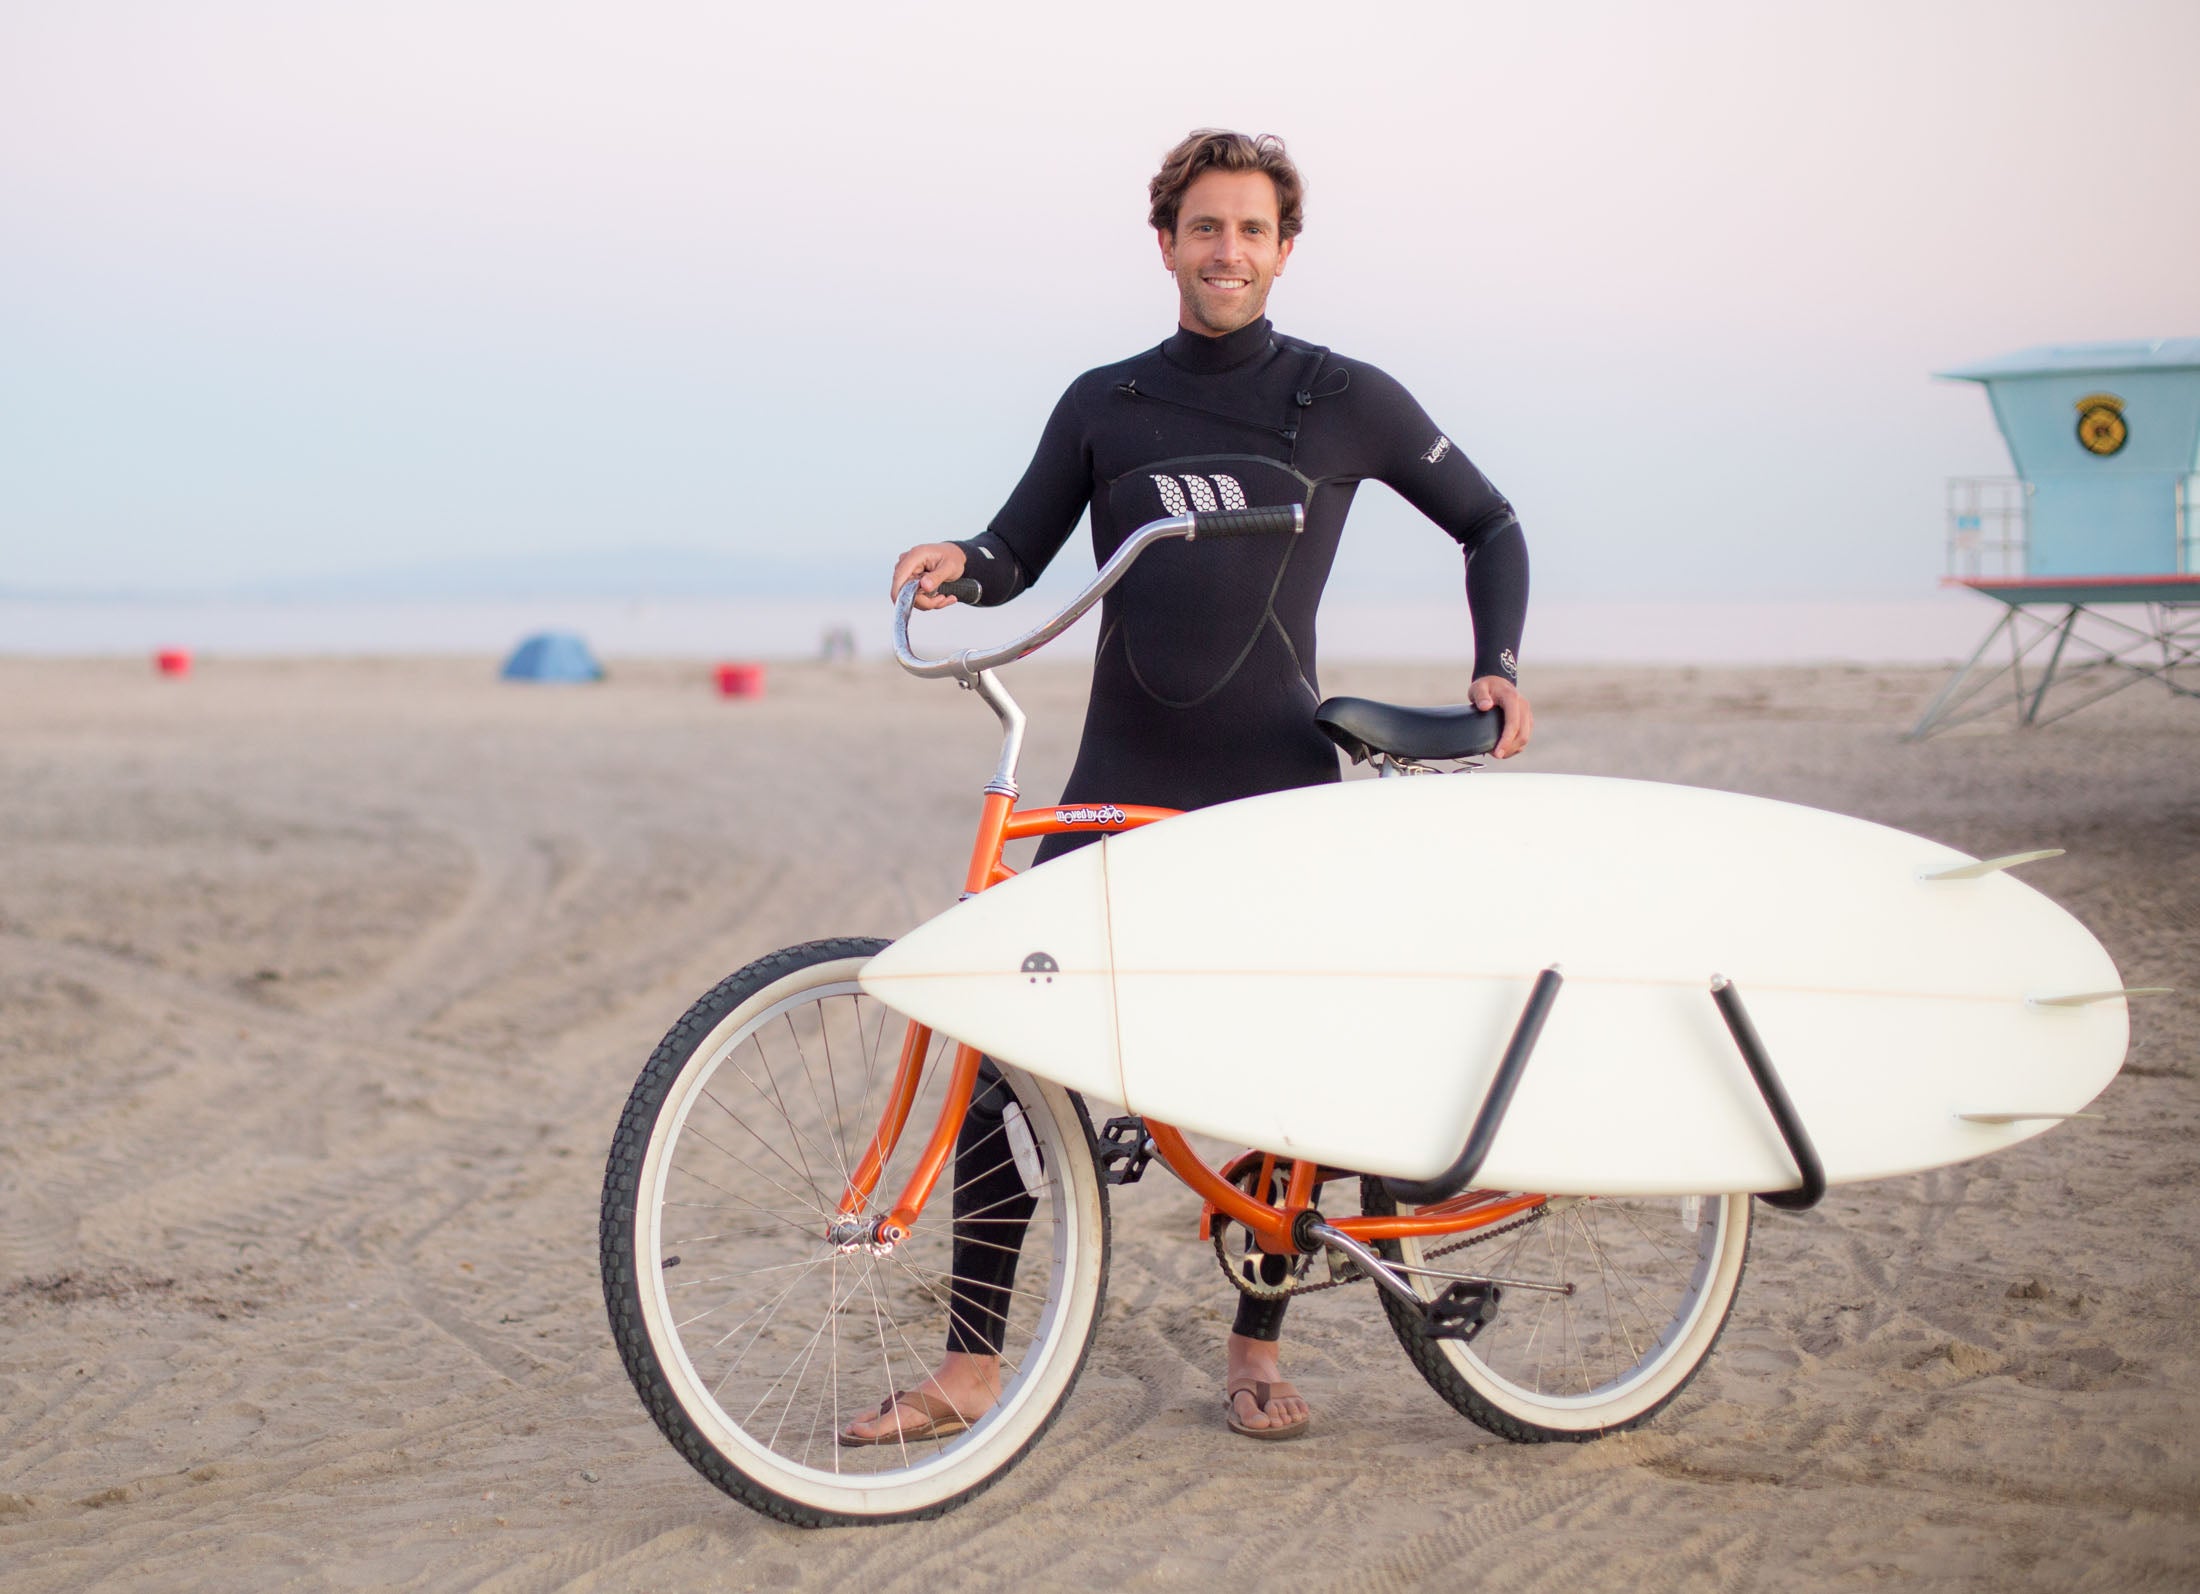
[[1040, 514], [1430, 472]]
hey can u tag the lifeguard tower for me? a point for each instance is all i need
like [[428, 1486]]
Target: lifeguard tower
[[2093, 547]]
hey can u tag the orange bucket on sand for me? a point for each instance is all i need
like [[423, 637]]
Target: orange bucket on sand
[[173, 661], [740, 680]]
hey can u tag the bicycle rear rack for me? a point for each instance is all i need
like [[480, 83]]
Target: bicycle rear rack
[[1495, 1102], [1467, 1307]]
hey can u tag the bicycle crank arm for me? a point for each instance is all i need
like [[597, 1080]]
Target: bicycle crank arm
[[1382, 1272], [1391, 1275]]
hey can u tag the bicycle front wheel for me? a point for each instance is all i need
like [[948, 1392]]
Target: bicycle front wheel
[[752, 1339], [1608, 1306]]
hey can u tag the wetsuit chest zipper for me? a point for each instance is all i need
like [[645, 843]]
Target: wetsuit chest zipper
[[1302, 399], [1131, 389]]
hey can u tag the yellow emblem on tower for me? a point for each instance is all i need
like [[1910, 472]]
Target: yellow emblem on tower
[[2101, 428]]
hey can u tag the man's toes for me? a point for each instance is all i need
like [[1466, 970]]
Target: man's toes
[[1249, 1414], [868, 1426]]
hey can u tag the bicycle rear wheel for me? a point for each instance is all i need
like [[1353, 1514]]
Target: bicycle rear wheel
[[1651, 1283], [752, 1340]]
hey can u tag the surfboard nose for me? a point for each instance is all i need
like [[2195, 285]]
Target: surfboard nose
[[1022, 972]]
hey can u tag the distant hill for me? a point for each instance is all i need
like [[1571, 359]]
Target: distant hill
[[622, 573]]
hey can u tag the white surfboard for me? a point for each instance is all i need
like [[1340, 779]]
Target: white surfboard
[[1334, 973]]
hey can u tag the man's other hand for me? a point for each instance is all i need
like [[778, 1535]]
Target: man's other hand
[[1494, 691], [930, 563]]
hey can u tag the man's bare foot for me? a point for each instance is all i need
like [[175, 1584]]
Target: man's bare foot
[[1259, 1361], [962, 1387]]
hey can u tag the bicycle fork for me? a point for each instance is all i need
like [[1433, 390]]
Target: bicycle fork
[[850, 1230]]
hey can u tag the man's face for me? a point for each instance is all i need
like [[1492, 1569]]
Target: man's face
[[1226, 250]]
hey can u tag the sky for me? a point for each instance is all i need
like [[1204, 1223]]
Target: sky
[[297, 291]]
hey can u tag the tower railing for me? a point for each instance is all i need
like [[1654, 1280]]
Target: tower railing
[[1988, 522]]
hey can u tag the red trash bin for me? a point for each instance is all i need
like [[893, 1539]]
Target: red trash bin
[[740, 680], [173, 661]]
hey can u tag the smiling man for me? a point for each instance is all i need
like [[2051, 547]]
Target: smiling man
[[1203, 684]]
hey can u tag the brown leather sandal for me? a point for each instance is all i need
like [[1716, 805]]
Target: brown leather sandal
[[1263, 1392], [937, 1418]]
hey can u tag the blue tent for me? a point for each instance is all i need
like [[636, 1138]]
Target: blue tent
[[552, 656]]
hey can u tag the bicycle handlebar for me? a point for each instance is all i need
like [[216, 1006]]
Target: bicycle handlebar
[[1248, 522], [967, 663]]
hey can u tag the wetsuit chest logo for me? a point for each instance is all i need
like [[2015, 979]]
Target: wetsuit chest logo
[[1206, 493]]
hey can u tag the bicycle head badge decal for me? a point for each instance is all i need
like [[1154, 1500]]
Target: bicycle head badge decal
[[1040, 964]]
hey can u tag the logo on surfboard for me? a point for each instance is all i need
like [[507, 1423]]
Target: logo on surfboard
[[1039, 964]]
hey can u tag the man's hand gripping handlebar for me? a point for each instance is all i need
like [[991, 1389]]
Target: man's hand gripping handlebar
[[1281, 519]]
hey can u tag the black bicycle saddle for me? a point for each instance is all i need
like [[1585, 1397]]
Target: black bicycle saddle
[[1364, 727]]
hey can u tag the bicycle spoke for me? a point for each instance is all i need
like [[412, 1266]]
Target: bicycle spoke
[[832, 1081], [748, 1129], [956, 1317], [800, 1139], [836, 1153], [800, 1356], [809, 1201]]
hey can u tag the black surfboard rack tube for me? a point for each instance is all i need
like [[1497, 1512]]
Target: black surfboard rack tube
[[1491, 1116]]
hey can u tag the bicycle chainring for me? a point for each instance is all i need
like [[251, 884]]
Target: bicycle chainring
[[1255, 1272]]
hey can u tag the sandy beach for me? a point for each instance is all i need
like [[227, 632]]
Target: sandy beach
[[322, 985]]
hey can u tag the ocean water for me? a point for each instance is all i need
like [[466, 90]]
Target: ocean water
[[1931, 629]]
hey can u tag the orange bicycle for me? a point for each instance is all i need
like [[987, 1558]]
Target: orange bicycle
[[771, 1269]]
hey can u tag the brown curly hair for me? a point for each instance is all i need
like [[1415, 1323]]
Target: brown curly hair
[[1211, 149]]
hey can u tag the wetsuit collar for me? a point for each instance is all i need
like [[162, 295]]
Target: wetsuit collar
[[1205, 356]]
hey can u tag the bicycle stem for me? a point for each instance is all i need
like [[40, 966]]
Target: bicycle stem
[[1005, 708]]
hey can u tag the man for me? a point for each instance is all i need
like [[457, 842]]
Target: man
[[1203, 682]]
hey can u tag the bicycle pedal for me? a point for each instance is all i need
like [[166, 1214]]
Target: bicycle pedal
[[1123, 1151], [1461, 1312]]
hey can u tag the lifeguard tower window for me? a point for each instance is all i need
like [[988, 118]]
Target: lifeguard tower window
[[2093, 547]]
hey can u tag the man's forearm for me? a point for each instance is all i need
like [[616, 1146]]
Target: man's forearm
[[1497, 600]]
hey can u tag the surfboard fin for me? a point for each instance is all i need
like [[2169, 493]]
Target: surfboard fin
[[2021, 1117], [1987, 866], [2088, 998]]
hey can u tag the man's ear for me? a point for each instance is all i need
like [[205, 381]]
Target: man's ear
[[1166, 237], [1283, 255]]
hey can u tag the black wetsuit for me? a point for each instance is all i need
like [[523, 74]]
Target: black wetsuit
[[1203, 685]]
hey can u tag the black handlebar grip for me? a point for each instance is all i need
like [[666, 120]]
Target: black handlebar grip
[[1249, 522], [963, 590]]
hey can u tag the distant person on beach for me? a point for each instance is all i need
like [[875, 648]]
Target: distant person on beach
[[1204, 680]]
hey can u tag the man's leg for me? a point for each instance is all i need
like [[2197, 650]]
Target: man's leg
[[1254, 1359], [992, 1210]]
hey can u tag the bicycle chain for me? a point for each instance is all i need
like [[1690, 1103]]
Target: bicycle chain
[[1281, 1294]]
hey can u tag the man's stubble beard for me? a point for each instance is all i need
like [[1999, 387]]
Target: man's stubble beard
[[1191, 313]]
